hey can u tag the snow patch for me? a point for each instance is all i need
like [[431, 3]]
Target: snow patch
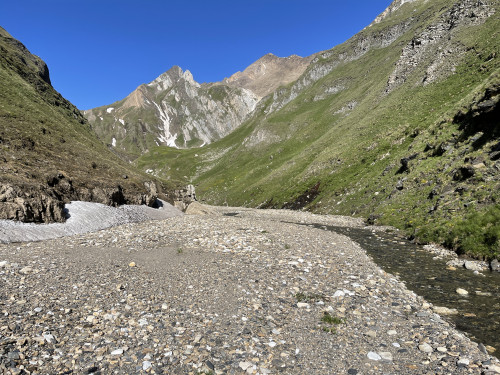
[[113, 142], [166, 137], [84, 217], [109, 110], [121, 120]]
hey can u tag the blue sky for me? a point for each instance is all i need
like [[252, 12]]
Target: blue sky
[[98, 51]]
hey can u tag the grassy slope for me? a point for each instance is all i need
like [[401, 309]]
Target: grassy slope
[[42, 134], [348, 163]]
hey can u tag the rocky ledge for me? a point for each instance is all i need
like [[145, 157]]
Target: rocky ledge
[[44, 203], [250, 293]]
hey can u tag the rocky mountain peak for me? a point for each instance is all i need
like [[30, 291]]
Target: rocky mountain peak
[[268, 73]]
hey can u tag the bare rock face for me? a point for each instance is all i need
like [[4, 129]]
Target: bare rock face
[[173, 110], [432, 51], [30, 205], [184, 197]]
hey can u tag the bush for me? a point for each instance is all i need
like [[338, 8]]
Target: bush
[[477, 234]]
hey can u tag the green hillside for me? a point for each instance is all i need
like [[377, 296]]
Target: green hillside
[[399, 125], [49, 154]]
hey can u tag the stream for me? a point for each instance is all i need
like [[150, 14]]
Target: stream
[[478, 312]]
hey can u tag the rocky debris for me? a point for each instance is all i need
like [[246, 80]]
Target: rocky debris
[[431, 50], [218, 294]]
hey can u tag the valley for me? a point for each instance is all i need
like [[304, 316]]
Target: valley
[[271, 222]]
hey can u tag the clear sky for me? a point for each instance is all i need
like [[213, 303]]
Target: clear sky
[[98, 51]]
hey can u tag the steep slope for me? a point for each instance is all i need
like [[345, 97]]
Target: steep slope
[[399, 124], [48, 152], [176, 111]]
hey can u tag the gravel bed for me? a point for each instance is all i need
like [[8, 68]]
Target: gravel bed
[[251, 293]]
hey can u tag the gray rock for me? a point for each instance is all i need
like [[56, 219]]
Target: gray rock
[[473, 266], [386, 356], [495, 265]]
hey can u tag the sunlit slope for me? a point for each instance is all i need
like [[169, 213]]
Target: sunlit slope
[[399, 125]]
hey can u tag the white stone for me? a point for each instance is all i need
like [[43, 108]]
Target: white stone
[[26, 270], [463, 361], [373, 356], [303, 305], [462, 292], [117, 352], [3, 263], [245, 365], [146, 365], [426, 348], [48, 337], [392, 332]]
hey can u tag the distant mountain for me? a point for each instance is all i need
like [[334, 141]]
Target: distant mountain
[[399, 124], [176, 111], [48, 152], [268, 73]]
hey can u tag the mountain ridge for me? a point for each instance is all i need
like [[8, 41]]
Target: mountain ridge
[[177, 111]]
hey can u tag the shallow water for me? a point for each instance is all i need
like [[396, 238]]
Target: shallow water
[[478, 315]]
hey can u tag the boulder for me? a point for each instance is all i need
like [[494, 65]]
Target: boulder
[[495, 265], [196, 208]]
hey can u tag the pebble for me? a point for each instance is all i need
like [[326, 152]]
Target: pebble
[[386, 356], [426, 348], [462, 292], [374, 356]]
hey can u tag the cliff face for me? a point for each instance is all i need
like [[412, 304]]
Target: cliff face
[[48, 152], [176, 111]]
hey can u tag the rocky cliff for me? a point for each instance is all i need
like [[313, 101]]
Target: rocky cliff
[[48, 152], [176, 111]]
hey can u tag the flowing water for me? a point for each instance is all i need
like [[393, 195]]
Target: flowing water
[[478, 312]]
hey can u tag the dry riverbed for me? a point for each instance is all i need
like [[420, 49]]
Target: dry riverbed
[[252, 293]]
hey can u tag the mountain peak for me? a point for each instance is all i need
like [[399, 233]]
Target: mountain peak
[[268, 73]]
